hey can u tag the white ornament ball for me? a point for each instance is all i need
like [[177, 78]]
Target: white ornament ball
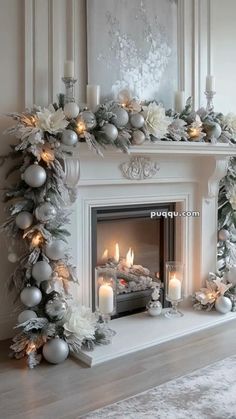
[[55, 250], [26, 315], [31, 296], [55, 351], [231, 275], [24, 220], [71, 110], [121, 117], [110, 131], [88, 118], [45, 212], [138, 137], [69, 137], [12, 257], [35, 176], [223, 235], [41, 271], [137, 120], [223, 304]]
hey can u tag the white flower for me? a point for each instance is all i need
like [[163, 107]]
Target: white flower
[[156, 120], [230, 121], [81, 322], [51, 121]]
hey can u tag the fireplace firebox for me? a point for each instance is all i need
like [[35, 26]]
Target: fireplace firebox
[[127, 238]]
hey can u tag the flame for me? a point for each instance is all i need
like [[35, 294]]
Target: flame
[[105, 255], [81, 127], [129, 258], [37, 240], [117, 253]]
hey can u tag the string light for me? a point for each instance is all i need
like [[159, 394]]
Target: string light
[[37, 240], [81, 127], [194, 132], [47, 155]]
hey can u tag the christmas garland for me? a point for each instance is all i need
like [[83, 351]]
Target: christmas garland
[[38, 205]]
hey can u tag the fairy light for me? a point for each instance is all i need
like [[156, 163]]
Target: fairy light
[[37, 240], [81, 127], [194, 132], [31, 348], [47, 156]]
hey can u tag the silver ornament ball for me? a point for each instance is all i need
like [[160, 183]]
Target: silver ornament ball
[[223, 235], [31, 296], [110, 131], [138, 137], [35, 176], [56, 308], [24, 220], [45, 212], [69, 137], [213, 130], [55, 250], [121, 117], [137, 120], [231, 275], [12, 257], [26, 315], [223, 304], [41, 271], [55, 351], [71, 110], [88, 118]]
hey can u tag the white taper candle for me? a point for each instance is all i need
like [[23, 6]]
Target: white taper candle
[[93, 96], [69, 69]]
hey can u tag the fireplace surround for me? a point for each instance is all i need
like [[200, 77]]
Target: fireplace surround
[[186, 175]]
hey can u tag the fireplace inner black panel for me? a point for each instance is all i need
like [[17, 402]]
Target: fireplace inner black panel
[[152, 241]]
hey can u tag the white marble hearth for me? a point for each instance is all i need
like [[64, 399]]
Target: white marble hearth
[[140, 331]]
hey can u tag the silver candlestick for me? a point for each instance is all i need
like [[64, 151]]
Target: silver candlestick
[[210, 96], [69, 84]]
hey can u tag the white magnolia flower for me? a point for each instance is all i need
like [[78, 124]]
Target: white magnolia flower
[[51, 121], [81, 322], [231, 196], [156, 121], [230, 121]]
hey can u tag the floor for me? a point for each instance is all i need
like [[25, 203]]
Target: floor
[[71, 389]]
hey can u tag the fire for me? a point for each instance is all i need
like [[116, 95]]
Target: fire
[[129, 258], [117, 253], [128, 261], [105, 255]]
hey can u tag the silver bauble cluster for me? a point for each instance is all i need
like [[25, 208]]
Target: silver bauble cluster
[[88, 118]]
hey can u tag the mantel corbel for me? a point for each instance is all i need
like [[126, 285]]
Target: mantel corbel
[[220, 170], [72, 171]]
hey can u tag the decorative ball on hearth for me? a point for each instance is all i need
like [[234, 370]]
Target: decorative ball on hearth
[[71, 110], [56, 308], [137, 120], [223, 304], [26, 315], [41, 271], [154, 306], [231, 275], [121, 117], [88, 118], [55, 250], [213, 130], [45, 212], [35, 175], [55, 351], [69, 137], [31, 296], [110, 131], [138, 137], [24, 220], [223, 235]]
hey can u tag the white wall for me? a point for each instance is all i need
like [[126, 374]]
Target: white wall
[[36, 36]]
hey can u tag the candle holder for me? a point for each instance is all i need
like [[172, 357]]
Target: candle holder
[[174, 288], [70, 93], [210, 96], [106, 292]]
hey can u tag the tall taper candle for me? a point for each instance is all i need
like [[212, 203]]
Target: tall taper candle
[[179, 101], [93, 96], [69, 69], [210, 83]]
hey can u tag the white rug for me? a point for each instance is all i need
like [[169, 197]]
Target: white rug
[[208, 393]]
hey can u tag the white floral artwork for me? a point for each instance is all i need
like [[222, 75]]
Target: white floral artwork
[[139, 168], [132, 44]]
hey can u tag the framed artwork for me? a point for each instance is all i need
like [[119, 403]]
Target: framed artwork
[[133, 44]]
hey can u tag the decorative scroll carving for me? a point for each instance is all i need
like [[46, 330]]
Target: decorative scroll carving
[[221, 166], [139, 168]]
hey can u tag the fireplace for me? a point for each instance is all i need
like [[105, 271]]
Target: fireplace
[[137, 246]]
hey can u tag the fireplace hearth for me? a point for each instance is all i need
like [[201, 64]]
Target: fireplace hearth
[[126, 238]]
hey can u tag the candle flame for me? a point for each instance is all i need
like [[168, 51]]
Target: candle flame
[[129, 258], [117, 253], [105, 255]]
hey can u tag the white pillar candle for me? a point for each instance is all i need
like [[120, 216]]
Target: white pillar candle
[[179, 101], [105, 295], [93, 96], [69, 70], [210, 83], [174, 290]]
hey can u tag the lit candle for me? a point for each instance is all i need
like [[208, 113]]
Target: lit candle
[[69, 69], [179, 101], [210, 83], [106, 305], [174, 290], [93, 96]]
